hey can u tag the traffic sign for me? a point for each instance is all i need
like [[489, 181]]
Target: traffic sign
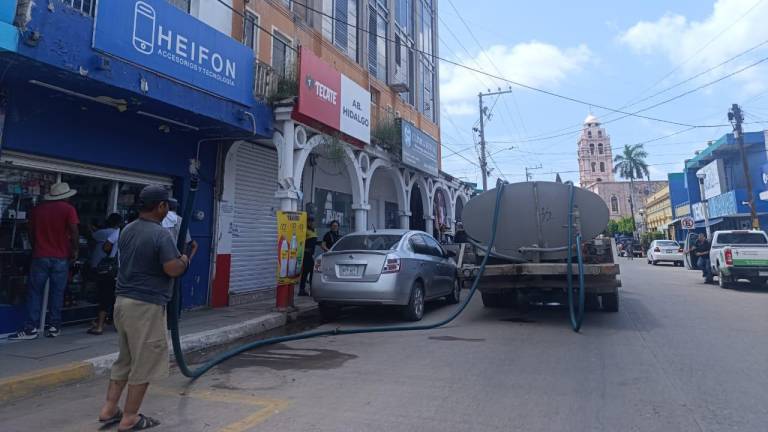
[[687, 223]]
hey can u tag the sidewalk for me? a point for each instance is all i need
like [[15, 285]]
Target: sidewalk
[[28, 367]]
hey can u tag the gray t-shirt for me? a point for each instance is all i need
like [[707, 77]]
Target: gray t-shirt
[[144, 247]]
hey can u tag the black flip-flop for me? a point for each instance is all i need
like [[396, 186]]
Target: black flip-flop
[[114, 419], [143, 424]]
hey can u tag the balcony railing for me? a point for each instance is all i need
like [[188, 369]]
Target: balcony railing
[[87, 7], [271, 85]]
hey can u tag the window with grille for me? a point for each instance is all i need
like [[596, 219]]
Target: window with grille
[[181, 4], [378, 23], [282, 54], [339, 21], [251, 31]]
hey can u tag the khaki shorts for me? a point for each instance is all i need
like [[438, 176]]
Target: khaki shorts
[[142, 336]]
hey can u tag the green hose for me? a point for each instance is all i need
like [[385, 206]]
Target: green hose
[[173, 317], [576, 317]]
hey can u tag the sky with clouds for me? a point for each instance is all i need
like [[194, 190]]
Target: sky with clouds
[[621, 55]]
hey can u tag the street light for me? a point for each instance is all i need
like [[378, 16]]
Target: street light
[[704, 202]]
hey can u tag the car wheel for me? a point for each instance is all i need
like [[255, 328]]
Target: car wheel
[[723, 281], [415, 309], [328, 312], [455, 296]]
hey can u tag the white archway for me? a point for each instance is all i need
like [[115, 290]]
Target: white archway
[[351, 166], [381, 170]]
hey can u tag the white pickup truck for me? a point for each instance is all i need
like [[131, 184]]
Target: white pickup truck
[[739, 255]]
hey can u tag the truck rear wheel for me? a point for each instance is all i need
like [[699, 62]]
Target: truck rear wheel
[[723, 281], [491, 300], [610, 302]]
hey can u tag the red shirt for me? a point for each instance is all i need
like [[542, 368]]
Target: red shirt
[[50, 229]]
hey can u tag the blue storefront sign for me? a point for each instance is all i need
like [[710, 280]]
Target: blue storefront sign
[[155, 35], [418, 148], [723, 205]]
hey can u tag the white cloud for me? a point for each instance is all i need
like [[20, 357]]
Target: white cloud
[[697, 45], [532, 63]]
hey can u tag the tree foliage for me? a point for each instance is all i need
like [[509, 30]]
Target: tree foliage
[[630, 164]]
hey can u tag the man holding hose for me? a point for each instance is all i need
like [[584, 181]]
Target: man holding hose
[[149, 261]]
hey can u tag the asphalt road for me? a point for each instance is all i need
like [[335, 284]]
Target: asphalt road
[[679, 356]]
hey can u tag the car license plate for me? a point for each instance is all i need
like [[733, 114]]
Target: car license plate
[[350, 270], [762, 273], [670, 251]]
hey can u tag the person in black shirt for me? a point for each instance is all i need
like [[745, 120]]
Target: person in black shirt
[[701, 251], [331, 237]]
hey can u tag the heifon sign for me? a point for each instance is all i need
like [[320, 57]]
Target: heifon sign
[[155, 35]]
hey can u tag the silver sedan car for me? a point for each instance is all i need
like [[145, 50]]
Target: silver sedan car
[[385, 267]]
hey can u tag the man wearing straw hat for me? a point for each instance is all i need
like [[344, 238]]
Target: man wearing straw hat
[[55, 241]]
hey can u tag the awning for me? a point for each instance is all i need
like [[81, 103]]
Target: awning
[[711, 222]]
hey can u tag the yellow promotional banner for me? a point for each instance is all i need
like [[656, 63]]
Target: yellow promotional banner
[[291, 233]]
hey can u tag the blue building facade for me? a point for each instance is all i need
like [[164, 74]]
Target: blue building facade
[[111, 117], [725, 183], [678, 196]]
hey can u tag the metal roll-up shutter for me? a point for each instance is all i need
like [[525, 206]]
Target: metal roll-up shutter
[[254, 263]]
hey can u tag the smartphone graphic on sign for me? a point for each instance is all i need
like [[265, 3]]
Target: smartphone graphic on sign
[[144, 28]]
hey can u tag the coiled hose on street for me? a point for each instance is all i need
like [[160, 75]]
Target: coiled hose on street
[[174, 309], [576, 316]]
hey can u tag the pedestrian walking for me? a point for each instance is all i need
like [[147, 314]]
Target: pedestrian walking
[[331, 237], [308, 263], [701, 250], [53, 227], [149, 261], [103, 264]]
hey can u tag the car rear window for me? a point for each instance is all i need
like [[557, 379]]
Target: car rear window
[[667, 243], [742, 238], [372, 242]]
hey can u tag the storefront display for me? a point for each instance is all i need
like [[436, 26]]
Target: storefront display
[[21, 189], [333, 206]]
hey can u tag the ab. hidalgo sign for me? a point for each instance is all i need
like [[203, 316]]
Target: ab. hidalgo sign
[[332, 99], [155, 35]]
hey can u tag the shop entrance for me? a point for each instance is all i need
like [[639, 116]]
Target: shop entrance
[[417, 210], [327, 190], [21, 189]]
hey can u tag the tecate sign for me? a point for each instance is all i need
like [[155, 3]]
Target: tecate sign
[[332, 99], [155, 35]]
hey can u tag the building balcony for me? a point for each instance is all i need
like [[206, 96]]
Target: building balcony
[[271, 84]]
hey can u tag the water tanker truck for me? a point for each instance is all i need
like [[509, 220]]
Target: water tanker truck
[[541, 226]]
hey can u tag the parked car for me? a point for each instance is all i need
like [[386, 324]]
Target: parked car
[[631, 246], [386, 267], [665, 251], [739, 255]]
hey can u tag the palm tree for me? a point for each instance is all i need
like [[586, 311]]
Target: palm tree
[[631, 165]]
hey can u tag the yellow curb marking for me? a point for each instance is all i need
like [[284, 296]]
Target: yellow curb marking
[[269, 408], [19, 386]]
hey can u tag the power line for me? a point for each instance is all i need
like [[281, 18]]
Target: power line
[[497, 77]]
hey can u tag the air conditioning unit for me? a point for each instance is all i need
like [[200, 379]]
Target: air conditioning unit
[[399, 87]]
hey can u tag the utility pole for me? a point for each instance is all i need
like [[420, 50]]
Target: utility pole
[[528, 175], [483, 159], [483, 156], [736, 117]]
